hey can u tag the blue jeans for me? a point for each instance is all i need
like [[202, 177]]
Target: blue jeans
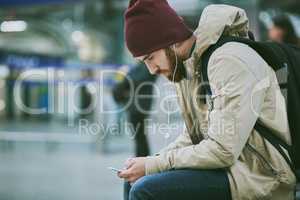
[[180, 185]]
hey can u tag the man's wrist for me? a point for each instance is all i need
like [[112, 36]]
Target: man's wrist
[[152, 165]]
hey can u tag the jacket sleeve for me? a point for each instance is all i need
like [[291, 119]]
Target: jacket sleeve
[[182, 140], [230, 121]]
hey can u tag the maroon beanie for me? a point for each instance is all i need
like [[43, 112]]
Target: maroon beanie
[[151, 25]]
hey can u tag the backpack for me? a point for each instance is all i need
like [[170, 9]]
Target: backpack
[[279, 57]]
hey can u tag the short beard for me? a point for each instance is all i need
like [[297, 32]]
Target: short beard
[[180, 72]]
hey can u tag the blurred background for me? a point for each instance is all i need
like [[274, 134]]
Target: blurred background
[[61, 122]]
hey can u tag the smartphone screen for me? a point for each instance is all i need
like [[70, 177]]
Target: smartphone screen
[[114, 169]]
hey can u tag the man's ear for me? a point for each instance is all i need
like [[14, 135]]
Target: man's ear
[[174, 46]]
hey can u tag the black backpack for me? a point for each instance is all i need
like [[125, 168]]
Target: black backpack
[[279, 57]]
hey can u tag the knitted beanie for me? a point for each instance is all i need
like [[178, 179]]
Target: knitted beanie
[[151, 25]]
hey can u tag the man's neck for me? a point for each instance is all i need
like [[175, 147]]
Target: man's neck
[[185, 47]]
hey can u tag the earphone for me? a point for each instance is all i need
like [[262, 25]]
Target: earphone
[[173, 78], [176, 62]]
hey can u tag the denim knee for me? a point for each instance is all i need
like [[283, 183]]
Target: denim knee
[[139, 190]]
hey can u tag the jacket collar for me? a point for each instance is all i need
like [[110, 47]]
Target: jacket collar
[[215, 21]]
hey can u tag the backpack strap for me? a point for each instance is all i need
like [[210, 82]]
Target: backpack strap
[[275, 57], [276, 142]]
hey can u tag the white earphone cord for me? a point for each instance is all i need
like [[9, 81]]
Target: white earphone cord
[[173, 79]]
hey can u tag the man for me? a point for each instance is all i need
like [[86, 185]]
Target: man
[[139, 109], [283, 31], [231, 161]]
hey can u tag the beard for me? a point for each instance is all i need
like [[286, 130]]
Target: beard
[[180, 71]]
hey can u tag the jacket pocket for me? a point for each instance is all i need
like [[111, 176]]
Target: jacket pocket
[[268, 180], [265, 164]]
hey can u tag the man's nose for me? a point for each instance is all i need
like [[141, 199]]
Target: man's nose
[[153, 69]]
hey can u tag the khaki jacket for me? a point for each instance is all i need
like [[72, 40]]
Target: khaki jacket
[[244, 89]]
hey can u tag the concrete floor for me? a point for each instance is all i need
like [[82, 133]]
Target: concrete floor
[[50, 160], [58, 169], [32, 175]]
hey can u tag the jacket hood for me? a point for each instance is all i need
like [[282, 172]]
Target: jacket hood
[[215, 21]]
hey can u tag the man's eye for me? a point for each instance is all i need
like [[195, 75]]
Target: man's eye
[[150, 58]]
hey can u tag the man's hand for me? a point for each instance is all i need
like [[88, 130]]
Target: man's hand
[[135, 169]]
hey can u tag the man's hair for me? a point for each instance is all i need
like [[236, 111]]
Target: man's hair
[[180, 71], [284, 23]]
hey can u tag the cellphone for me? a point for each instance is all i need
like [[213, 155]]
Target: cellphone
[[114, 169]]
